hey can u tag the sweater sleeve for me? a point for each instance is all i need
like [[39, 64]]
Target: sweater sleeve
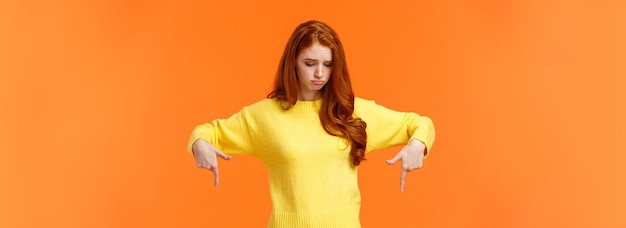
[[231, 135], [387, 128]]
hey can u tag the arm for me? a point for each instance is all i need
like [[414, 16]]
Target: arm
[[387, 128], [208, 140], [232, 135]]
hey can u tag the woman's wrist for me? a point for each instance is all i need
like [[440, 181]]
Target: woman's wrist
[[418, 145], [416, 142]]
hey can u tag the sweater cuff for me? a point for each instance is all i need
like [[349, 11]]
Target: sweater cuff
[[426, 134], [200, 132]]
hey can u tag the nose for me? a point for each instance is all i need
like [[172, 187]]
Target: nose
[[319, 73]]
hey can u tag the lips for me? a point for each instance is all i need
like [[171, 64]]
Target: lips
[[317, 82]]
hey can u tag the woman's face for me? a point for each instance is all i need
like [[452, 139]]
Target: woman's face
[[313, 67]]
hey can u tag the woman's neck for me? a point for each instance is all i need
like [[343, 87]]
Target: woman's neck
[[309, 97]]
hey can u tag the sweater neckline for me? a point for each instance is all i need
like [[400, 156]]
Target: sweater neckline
[[308, 105]]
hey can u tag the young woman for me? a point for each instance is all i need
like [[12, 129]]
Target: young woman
[[312, 133]]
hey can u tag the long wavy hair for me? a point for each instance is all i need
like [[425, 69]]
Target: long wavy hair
[[336, 112]]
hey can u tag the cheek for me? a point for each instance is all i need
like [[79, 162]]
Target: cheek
[[297, 69], [301, 74], [303, 71]]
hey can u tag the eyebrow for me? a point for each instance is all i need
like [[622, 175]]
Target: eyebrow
[[309, 59]]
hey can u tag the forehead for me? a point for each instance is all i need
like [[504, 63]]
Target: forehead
[[317, 52]]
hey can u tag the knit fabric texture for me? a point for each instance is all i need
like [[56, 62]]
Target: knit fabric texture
[[312, 180]]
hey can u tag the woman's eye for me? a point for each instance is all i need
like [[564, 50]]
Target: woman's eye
[[310, 64], [328, 64]]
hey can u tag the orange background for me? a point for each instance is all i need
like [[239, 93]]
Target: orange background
[[98, 99]]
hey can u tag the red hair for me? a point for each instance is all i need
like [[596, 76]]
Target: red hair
[[336, 113]]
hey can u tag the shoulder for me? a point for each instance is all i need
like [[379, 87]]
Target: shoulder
[[370, 107], [265, 105], [360, 102], [363, 105]]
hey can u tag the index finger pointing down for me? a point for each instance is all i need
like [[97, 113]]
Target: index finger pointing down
[[216, 176], [402, 179]]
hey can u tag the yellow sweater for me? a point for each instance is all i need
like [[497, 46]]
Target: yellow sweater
[[312, 180]]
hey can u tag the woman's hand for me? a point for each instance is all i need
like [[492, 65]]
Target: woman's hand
[[206, 157], [412, 156]]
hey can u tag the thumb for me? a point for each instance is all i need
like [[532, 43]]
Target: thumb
[[395, 159], [222, 154]]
